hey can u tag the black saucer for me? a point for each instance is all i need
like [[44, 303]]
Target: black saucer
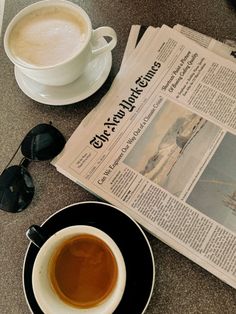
[[125, 232]]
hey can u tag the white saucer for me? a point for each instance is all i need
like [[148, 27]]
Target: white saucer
[[94, 76]]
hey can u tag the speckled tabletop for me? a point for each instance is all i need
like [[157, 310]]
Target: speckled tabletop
[[180, 285]]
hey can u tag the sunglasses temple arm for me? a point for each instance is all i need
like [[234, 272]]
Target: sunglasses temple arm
[[13, 157]]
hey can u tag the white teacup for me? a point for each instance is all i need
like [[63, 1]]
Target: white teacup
[[51, 41], [65, 258]]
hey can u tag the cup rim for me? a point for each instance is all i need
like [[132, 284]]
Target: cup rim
[[33, 7], [67, 233]]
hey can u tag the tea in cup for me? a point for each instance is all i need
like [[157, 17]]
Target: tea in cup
[[79, 269], [52, 41]]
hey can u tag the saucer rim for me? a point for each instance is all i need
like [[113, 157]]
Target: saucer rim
[[115, 208], [20, 77]]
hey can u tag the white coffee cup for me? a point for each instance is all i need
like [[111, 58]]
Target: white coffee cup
[[52, 41], [49, 301]]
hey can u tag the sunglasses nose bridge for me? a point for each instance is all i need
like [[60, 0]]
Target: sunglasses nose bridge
[[24, 162]]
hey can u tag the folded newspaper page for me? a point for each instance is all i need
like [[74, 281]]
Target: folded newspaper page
[[135, 35], [162, 147], [222, 49]]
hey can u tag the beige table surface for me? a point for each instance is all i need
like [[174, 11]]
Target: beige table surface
[[180, 285]]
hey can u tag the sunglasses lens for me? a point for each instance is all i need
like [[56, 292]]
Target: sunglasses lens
[[16, 189], [43, 142]]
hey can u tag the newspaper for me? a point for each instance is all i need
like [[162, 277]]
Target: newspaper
[[161, 146]]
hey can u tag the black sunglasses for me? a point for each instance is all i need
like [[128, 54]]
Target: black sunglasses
[[43, 142]]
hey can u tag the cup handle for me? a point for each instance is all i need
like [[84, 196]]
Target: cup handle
[[101, 32], [34, 234]]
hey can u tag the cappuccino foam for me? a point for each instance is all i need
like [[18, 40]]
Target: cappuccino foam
[[48, 36]]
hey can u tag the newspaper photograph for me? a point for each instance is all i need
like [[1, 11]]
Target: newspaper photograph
[[161, 146]]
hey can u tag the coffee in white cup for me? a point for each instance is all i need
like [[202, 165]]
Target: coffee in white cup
[[48, 36], [52, 41], [79, 269]]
